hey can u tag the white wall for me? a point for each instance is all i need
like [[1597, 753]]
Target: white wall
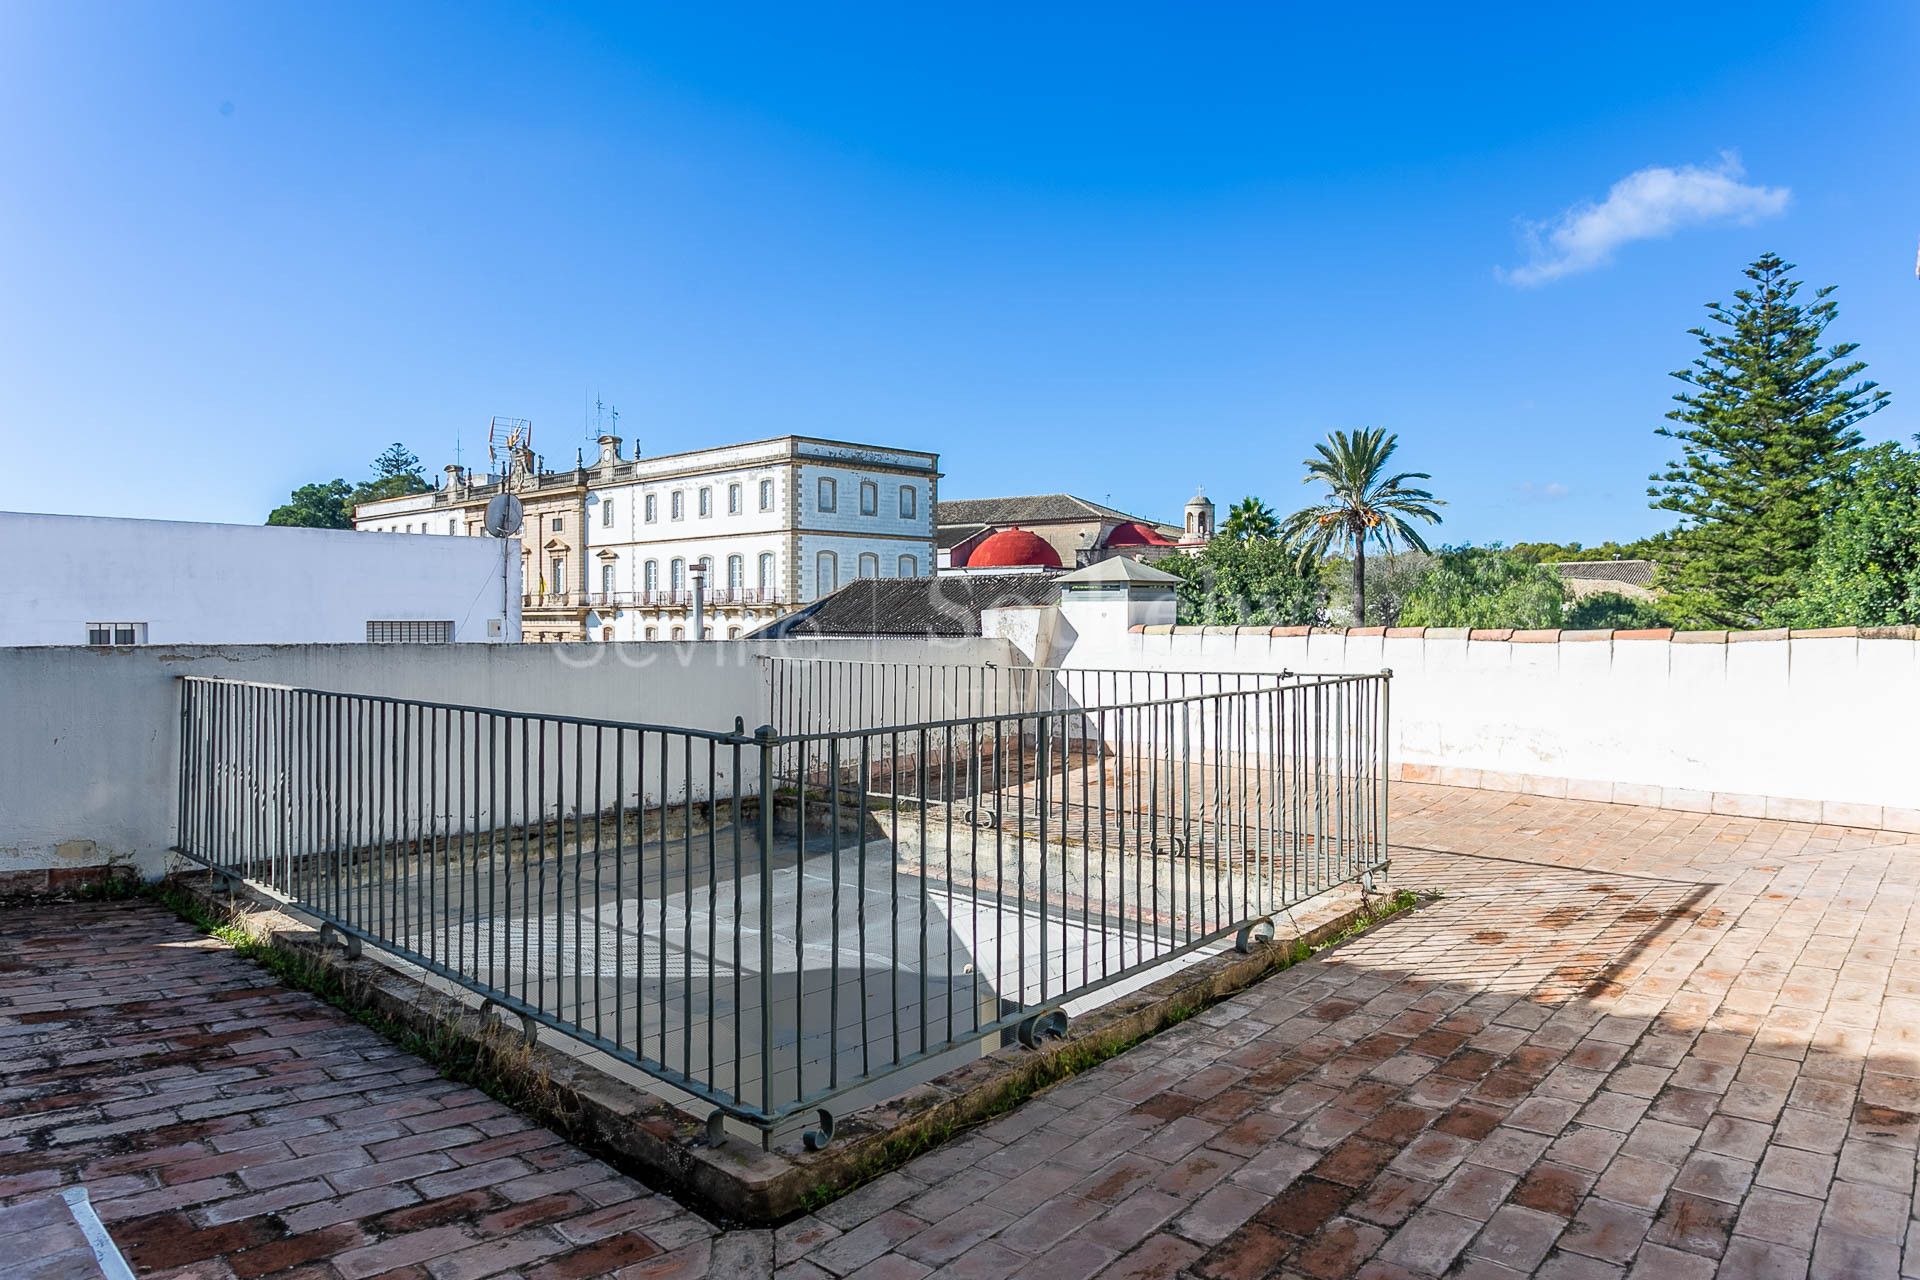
[[89, 743], [1810, 727], [243, 584]]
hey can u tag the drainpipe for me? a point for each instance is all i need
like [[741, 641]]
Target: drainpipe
[[698, 572]]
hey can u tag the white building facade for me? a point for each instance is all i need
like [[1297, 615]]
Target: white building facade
[[102, 581], [775, 524]]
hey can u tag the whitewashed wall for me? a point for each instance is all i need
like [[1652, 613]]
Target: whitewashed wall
[[1804, 726], [90, 742], [243, 584]]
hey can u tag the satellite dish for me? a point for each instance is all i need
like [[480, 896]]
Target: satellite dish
[[504, 515]]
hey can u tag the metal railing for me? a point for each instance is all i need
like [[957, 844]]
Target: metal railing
[[780, 923]]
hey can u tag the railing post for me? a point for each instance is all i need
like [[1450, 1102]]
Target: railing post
[[1386, 789], [767, 740]]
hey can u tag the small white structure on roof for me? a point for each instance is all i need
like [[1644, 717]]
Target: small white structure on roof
[[99, 580], [1115, 594]]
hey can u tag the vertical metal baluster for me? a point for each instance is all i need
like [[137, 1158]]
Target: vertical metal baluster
[[833, 914], [768, 745]]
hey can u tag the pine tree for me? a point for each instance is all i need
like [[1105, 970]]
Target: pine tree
[[1766, 428]]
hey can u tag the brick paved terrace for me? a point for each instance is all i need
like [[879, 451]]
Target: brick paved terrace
[[1627, 1041]]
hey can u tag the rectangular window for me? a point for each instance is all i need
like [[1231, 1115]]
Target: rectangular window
[[734, 501], [706, 502], [909, 502], [606, 579], [909, 567], [829, 497], [116, 633], [606, 513], [677, 508], [869, 498], [558, 582], [559, 523], [869, 565], [453, 526], [766, 495], [826, 571], [409, 632], [652, 508]]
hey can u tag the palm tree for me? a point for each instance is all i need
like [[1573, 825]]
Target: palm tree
[[1249, 519], [1361, 505]]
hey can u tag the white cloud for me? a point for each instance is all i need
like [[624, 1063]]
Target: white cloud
[[1644, 205]]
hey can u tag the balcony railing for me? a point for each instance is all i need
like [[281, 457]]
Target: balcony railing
[[666, 598]]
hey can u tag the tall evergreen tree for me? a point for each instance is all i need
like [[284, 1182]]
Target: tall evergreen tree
[[1766, 427]]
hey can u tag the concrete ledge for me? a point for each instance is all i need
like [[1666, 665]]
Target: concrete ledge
[[1654, 796], [61, 882], [1545, 635], [736, 1182]]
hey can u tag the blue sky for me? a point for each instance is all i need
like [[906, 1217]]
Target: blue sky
[[1115, 250]]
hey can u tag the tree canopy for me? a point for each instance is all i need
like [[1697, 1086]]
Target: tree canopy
[[1254, 583], [1363, 505], [329, 504], [1866, 565], [1250, 518], [1766, 428], [1485, 587]]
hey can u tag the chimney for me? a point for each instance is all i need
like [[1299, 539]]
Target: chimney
[[456, 478], [609, 452]]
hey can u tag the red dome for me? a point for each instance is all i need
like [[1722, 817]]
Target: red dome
[[1012, 549], [1132, 533]]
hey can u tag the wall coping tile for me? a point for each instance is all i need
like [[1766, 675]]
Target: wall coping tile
[[1645, 633], [1490, 633], [1741, 637], [1602, 634]]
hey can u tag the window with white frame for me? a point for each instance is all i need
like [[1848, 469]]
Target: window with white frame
[[829, 494], [606, 513], [652, 578], [909, 566], [706, 501], [735, 500], [909, 502], [869, 498], [558, 582], [826, 572], [653, 633], [736, 572], [606, 578], [766, 495], [117, 633], [679, 633], [766, 570], [869, 565], [677, 574], [453, 526], [559, 524], [677, 507], [651, 508]]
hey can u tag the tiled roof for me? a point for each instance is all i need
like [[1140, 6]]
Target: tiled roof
[[948, 605], [1044, 508], [1638, 573]]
